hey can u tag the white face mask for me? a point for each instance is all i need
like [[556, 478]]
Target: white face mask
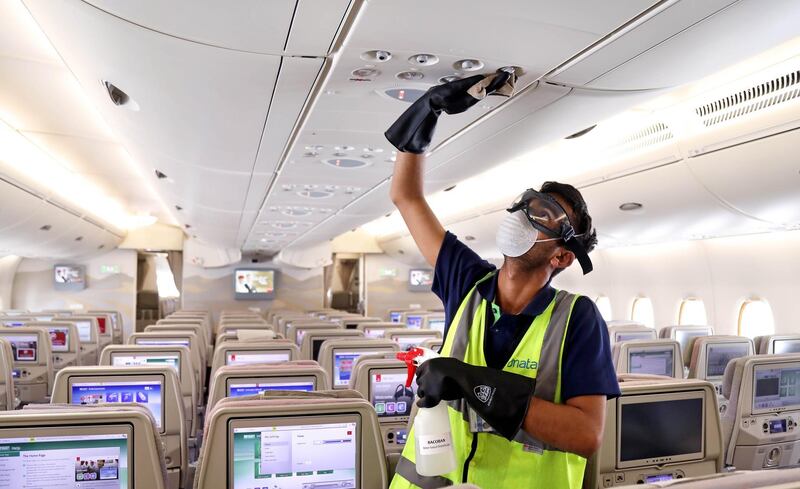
[[515, 236]]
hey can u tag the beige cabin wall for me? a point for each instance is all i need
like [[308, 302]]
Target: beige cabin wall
[[385, 292]]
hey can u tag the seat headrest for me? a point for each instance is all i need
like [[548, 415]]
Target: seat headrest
[[254, 334]]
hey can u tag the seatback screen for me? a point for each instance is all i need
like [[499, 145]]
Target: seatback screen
[[315, 347], [395, 316], [776, 388], [719, 355], [389, 395], [414, 322], [684, 337], [255, 356], [148, 393], [374, 332], [59, 339], [786, 346], [633, 335], [24, 348], [238, 388], [651, 361], [659, 429], [436, 325], [174, 361], [78, 461], [343, 362], [295, 456]]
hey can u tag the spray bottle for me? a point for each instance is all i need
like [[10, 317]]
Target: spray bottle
[[433, 440]]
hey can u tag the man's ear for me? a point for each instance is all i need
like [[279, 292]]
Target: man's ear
[[562, 259]]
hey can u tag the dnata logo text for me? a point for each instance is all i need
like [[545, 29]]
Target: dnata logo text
[[527, 364]]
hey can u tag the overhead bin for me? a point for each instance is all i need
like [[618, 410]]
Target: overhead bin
[[658, 51], [303, 27]]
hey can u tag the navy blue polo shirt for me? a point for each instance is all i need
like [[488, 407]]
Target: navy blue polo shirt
[[586, 365]]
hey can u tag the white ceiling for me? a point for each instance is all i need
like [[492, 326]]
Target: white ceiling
[[230, 96]]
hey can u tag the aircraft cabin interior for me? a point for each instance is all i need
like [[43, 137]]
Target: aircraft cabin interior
[[235, 244]]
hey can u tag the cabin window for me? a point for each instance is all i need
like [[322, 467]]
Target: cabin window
[[755, 318], [604, 306], [692, 312], [642, 312]]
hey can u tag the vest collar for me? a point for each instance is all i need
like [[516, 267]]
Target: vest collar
[[488, 290]]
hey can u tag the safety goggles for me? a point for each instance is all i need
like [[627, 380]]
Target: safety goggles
[[549, 217]]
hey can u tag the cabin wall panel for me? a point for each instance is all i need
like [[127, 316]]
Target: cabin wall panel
[[8, 267], [212, 288], [33, 286]]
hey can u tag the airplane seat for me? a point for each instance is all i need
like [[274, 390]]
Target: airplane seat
[[411, 338], [247, 352], [156, 388], [65, 343], [710, 357], [760, 426], [8, 392], [657, 357], [89, 339], [340, 429], [179, 338], [376, 329], [242, 380], [313, 339], [179, 358], [434, 344], [381, 379], [249, 335], [338, 357], [32, 362], [198, 327], [659, 429], [780, 344], [297, 329], [117, 328], [758, 342], [630, 331], [236, 327], [119, 436], [105, 335]]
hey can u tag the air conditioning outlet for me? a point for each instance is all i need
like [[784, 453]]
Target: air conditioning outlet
[[643, 138], [752, 99]]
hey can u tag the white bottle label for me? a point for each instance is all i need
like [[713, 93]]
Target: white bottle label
[[433, 444]]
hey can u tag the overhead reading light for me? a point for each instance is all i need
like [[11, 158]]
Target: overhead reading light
[[344, 148], [410, 75], [118, 97], [365, 72], [449, 78], [284, 225], [377, 55], [370, 149], [315, 194], [315, 147], [409, 95], [423, 59], [468, 65], [346, 163], [630, 206], [580, 133], [310, 154]]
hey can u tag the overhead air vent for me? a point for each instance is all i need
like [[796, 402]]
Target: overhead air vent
[[752, 99], [645, 137]]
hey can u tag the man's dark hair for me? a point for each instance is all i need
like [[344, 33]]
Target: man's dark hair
[[582, 222]]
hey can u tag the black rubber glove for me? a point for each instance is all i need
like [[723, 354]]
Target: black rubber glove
[[413, 131], [500, 398]]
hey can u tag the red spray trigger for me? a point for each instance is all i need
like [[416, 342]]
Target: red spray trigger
[[408, 357]]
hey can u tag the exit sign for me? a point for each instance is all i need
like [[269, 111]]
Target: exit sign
[[109, 269]]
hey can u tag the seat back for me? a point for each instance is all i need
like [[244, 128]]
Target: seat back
[[198, 329], [141, 355], [189, 339], [32, 362], [376, 329], [685, 335], [234, 327], [241, 380], [117, 328], [630, 331], [339, 356], [249, 352], [314, 338], [65, 343], [780, 344], [381, 379], [296, 330], [339, 425], [434, 344], [105, 333], [710, 356], [760, 424], [352, 322], [654, 357], [282, 321], [411, 338], [155, 387], [89, 338], [435, 321], [8, 392], [75, 443], [658, 429]]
